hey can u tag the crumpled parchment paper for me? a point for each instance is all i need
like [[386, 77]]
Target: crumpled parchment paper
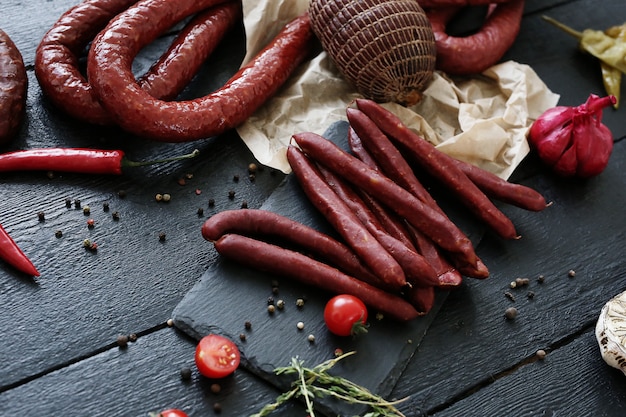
[[482, 119]]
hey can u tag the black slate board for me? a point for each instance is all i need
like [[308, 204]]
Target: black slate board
[[228, 295]]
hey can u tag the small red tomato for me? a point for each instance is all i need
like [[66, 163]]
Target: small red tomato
[[171, 412], [345, 315], [216, 356]]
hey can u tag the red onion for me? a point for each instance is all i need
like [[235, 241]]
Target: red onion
[[573, 140]]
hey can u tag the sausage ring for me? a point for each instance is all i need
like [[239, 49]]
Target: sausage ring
[[457, 3], [13, 86], [109, 70], [475, 53], [57, 57]]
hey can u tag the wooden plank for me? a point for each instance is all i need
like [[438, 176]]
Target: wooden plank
[[571, 380], [572, 234], [144, 377]]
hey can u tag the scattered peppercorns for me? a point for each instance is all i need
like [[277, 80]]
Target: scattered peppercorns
[[300, 325], [121, 193], [242, 337], [509, 295], [541, 279], [132, 337], [68, 202], [571, 273], [236, 177], [88, 244], [247, 325], [211, 202], [91, 223], [252, 168], [217, 407], [115, 215], [300, 302], [86, 210], [521, 282], [41, 216], [158, 197], [105, 206], [231, 194], [271, 308], [167, 197], [216, 388], [530, 295], [77, 203], [185, 374], [311, 338], [122, 341], [244, 204], [280, 304], [58, 234], [541, 354], [162, 237], [200, 211], [510, 313]]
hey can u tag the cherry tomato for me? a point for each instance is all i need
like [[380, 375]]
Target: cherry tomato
[[172, 412], [216, 356], [345, 315]]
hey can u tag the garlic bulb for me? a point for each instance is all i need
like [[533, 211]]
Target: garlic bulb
[[385, 48], [611, 332]]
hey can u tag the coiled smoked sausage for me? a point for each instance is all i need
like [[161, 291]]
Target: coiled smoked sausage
[[109, 70], [57, 57], [475, 53]]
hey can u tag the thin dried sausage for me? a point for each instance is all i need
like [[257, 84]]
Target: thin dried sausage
[[13, 86], [477, 52], [440, 167], [264, 225], [384, 156], [501, 189], [109, 69], [416, 269], [439, 228], [344, 221], [276, 260]]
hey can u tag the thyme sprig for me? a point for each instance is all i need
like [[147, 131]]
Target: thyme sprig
[[316, 382]]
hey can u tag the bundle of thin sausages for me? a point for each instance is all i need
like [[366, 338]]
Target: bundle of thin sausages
[[395, 245], [116, 30]]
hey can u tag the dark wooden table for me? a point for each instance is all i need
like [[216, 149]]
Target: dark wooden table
[[60, 354]]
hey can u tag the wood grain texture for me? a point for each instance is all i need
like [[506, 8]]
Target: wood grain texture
[[574, 371], [572, 234], [101, 385]]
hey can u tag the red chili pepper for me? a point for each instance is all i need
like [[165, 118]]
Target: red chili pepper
[[79, 160], [13, 255]]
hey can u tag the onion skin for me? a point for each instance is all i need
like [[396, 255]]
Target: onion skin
[[573, 140]]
